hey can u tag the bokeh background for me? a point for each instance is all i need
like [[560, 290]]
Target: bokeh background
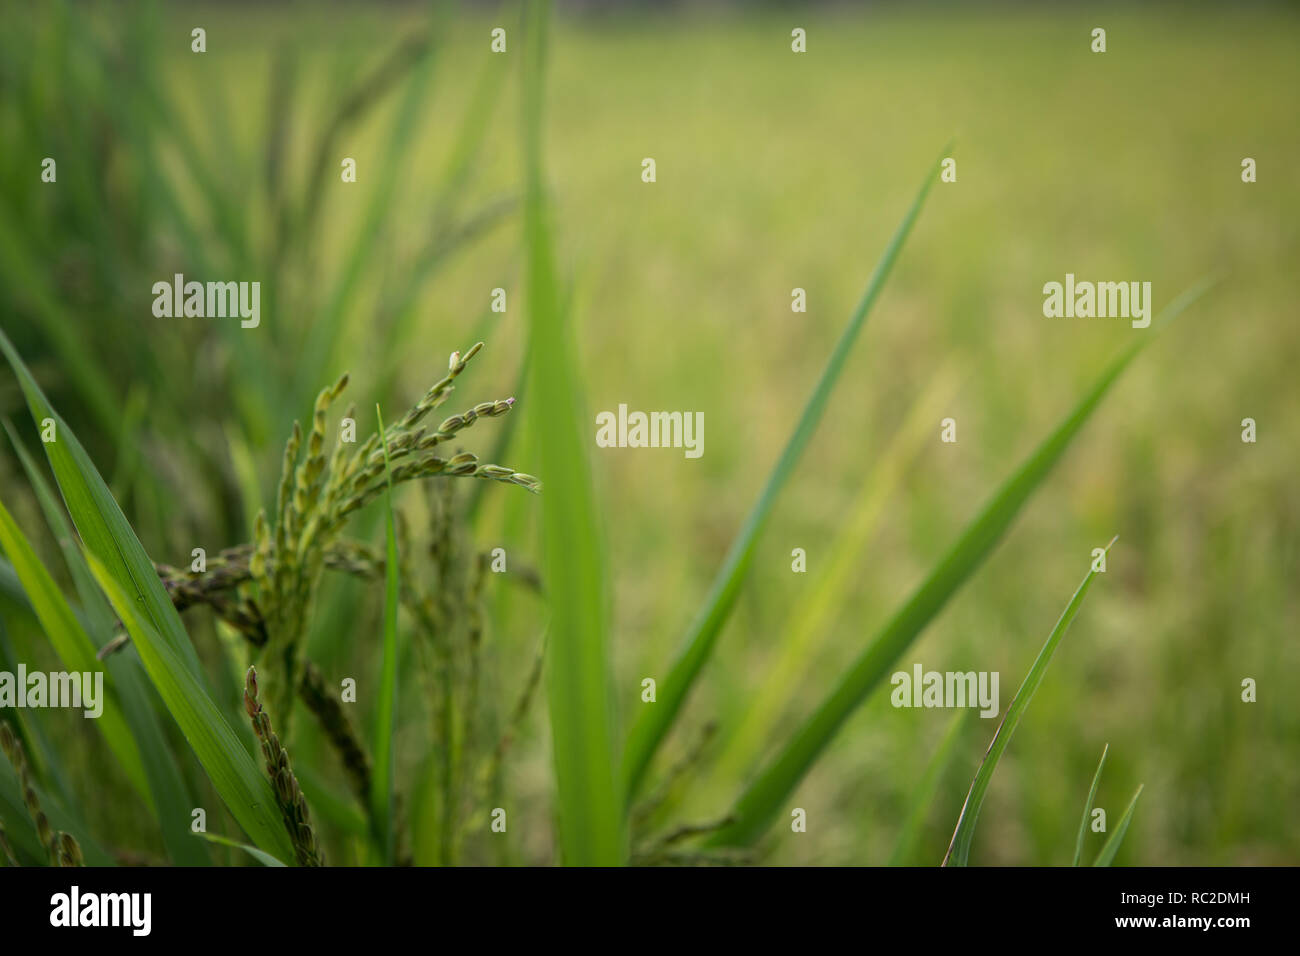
[[775, 170]]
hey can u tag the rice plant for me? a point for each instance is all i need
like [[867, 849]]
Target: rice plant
[[386, 736]]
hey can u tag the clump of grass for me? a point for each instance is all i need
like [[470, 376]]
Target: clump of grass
[[62, 848], [293, 805]]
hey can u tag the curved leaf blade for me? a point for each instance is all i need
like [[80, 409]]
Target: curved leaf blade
[[166, 791], [239, 783], [99, 521], [70, 642], [578, 674], [649, 731], [959, 849], [1112, 844], [1087, 808]]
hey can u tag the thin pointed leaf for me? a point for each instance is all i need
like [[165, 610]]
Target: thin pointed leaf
[[1112, 844], [649, 731], [70, 642], [760, 802], [167, 793], [103, 528], [234, 775], [579, 681], [959, 849], [99, 618], [808, 628], [1087, 808]]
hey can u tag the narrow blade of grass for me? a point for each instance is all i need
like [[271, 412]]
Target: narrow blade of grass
[[579, 684], [234, 775], [649, 731], [70, 642], [381, 794], [808, 626], [100, 620], [760, 802], [1112, 844], [103, 528], [959, 849], [167, 793], [1087, 808], [924, 793], [17, 616]]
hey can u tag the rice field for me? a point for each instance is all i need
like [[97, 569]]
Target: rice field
[[911, 474]]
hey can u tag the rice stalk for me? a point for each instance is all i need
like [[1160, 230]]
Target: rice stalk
[[288, 795], [61, 847], [317, 494]]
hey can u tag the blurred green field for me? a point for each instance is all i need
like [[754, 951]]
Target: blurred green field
[[777, 171]]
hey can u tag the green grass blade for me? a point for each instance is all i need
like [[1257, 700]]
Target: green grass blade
[[1112, 844], [16, 616], [959, 849], [70, 642], [105, 533], [924, 793], [104, 530], [579, 683], [381, 793], [261, 856], [100, 621], [239, 783], [167, 793], [760, 802], [808, 626], [649, 731], [1087, 808]]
